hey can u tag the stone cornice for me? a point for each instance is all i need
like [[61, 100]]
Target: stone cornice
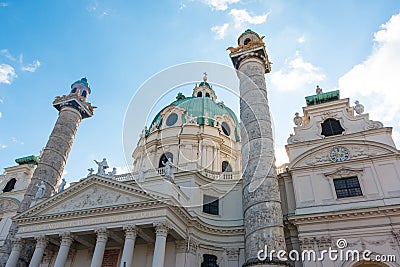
[[195, 222], [390, 151], [339, 138], [83, 184], [92, 212], [345, 215]]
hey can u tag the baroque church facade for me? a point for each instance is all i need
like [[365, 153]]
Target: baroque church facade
[[205, 190]]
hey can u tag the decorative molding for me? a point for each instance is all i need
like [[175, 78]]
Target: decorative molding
[[162, 228], [131, 231], [343, 173], [102, 234], [41, 241], [66, 238], [232, 254], [61, 197], [328, 114], [345, 215]]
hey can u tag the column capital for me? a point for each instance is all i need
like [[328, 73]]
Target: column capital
[[41, 241], [66, 238], [131, 231], [102, 234], [162, 228], [17, 244]]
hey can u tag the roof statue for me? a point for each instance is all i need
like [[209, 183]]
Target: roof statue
[[358, 108]]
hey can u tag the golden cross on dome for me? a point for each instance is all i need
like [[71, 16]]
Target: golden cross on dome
[[205, 76]]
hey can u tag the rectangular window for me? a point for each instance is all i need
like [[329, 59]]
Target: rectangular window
[[347, 187], [210, 205]]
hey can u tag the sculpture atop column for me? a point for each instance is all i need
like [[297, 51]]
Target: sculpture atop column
[[72, 108]]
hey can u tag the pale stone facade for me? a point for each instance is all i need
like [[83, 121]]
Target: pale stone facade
[[204, 190], [317, 213]]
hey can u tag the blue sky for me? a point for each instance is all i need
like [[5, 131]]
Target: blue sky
[[118, 45]]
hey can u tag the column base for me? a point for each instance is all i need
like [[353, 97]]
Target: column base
[[266, 263]]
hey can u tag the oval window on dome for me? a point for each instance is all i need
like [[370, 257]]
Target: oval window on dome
[[172, 119], [225, 128]]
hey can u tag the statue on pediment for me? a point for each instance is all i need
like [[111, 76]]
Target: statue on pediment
[[101, 166], [61, 186]]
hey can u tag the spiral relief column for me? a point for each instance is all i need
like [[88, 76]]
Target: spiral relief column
[[263, 219]]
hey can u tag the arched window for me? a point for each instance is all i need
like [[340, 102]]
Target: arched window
[[164, 158], [73, 91], [208, 95], [84, 93], [199, 94], [10, 185], [331, 127], [226, 167], [209, 261], [247, 41]]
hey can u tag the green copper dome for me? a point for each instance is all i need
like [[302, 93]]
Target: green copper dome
[[200, 107]]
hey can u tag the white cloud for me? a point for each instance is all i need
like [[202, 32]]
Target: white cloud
[[7, 54], [220, 4], [7, 74], [377, 79], [241, 17], [2, 146], [301, 39], [31, 67], [220, 31], [16, 141], [1, 115], [297, 74], [182, 6], [281, 156], [1, 100], [3, 4]]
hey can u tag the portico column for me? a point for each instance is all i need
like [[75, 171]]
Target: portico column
[[17, 244], [129, 245], [66, 241], [102, 236], [161, 240], [41, 243]]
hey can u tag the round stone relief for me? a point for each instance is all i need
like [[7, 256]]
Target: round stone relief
[[339, 154]]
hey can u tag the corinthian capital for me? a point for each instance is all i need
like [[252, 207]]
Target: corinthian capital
[[41, 241], [131, 231], [162, 228], [102, 234]]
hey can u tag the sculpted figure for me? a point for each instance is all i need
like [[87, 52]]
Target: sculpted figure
[[40, 191]]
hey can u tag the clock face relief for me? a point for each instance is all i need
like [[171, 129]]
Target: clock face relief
[[339, 154]]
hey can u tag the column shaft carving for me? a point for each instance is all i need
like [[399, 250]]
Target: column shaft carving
[[263, 218]]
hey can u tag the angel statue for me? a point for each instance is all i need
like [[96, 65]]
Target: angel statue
[[101, 166], [41, 189]]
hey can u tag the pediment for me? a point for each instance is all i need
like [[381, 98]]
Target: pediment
[[358, 150], [93, 193]]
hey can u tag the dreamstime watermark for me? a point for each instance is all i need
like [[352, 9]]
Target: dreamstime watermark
[[339, 254]]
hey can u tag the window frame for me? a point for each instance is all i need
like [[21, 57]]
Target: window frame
[[210, 205], [348, 187]]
